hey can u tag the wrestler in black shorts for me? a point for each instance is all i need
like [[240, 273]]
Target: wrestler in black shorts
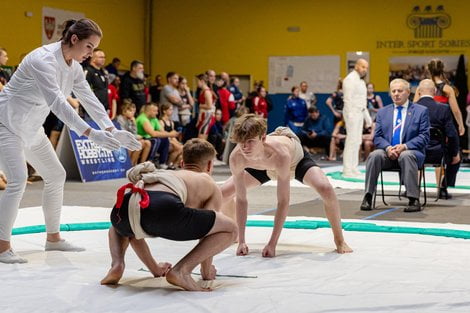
[[165, 217], [300, 170]]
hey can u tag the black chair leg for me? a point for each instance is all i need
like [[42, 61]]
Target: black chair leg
[[382, 185], [423, 176]]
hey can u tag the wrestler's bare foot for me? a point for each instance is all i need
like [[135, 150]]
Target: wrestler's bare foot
[[114, 275], [343, 247], [161, 270], [184, 281]]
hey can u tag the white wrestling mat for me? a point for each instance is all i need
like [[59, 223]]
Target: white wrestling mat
[[388, 272]]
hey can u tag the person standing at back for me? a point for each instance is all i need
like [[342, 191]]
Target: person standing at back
[[133, 85], [97, 76], [355, 114], [444, 92]]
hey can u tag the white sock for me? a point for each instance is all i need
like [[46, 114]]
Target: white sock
[[11, 257], [62, 245]]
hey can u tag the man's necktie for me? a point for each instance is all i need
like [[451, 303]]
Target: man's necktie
[[397, 127]]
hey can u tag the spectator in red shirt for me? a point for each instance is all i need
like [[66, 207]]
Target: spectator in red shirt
[[260, 105], [113, 97], [226, 99]]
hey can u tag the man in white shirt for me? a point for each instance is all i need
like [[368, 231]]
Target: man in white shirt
[[309, 97], [354, 113]]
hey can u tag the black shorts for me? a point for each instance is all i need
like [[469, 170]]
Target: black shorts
[[165, 217], [300, 170]]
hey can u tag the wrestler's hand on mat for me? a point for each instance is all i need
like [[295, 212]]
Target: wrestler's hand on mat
[[242, 249], [126, 139], [161, 269], [208, 274], [104, 139], [269, 251], [342, 247]]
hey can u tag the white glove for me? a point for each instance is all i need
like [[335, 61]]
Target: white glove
[[126, 139], [104, 139]]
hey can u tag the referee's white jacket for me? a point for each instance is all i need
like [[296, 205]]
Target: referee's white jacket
[[41, 84]]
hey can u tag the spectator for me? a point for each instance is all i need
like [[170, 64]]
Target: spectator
[[401, 136], [217, 134], [133, 85], [316, 131], [53, 128], [226, 100], [171, 96], [336, 102], [444, 92], [225, 77], [296, 111], [150, 129], [127, 122], [440, 117], [374, 102], [211, 77], [185, 95], [337, 140], [260, 105], [97, 77], [234, 88], [113, 97], [4, 75], [156, 88], [113, 67], [368, 140], [206, 102], [309, 97], [176, 147]]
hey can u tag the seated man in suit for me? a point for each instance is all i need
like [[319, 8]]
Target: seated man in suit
[[401, 136], [440, 117]]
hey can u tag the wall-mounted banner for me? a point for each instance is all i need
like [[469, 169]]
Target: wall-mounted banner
[[96, 163], [53, 22], [428, 25]]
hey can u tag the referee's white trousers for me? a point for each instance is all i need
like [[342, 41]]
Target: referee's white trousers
[[41, 155], [354, 122]]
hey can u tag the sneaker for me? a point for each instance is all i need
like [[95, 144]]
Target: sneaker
[[163, 166], [10, 257], [62, 245]]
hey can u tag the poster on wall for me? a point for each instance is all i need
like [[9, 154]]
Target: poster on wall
[[320, 72], [53, 22], [414, 68], [96, 163]]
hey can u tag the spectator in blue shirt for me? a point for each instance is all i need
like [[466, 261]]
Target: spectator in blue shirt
[[234, 88], [296, 111], [316, 131]]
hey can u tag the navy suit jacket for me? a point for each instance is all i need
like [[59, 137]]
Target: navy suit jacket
[[415, 133], [440, 117]]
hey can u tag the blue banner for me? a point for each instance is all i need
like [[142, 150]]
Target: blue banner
[[96, 163]]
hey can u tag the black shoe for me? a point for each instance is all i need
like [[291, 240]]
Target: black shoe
[[413, 206], [366, 204], [443, 194]]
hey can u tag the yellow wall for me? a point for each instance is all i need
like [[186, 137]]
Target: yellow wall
[[122, 22], [238, 36]]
